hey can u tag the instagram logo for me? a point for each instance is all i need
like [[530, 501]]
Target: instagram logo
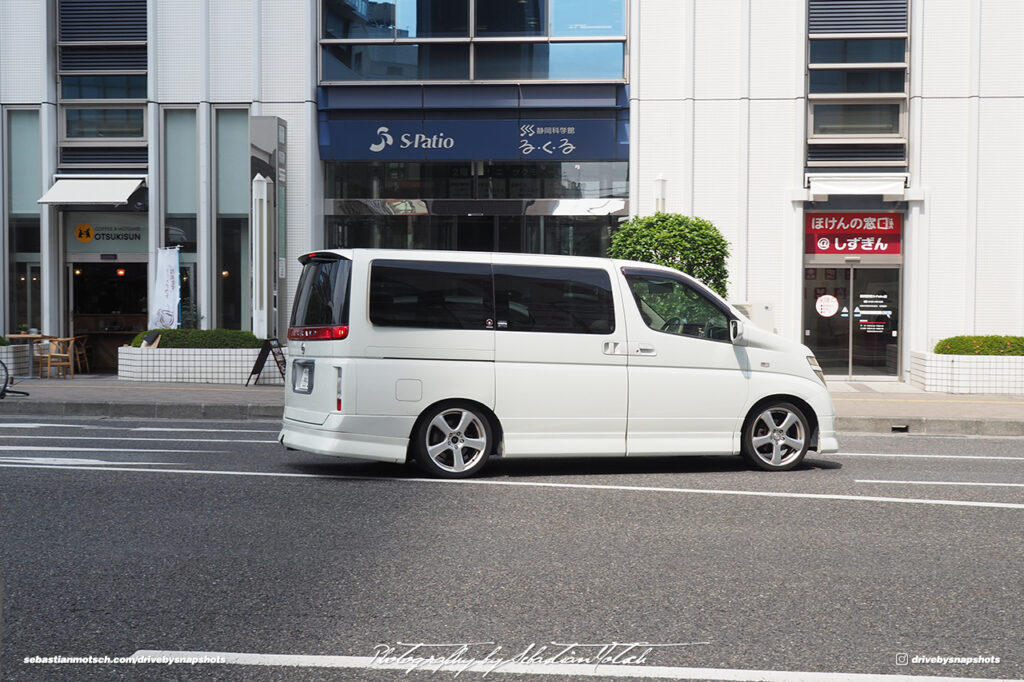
[[902, 659]]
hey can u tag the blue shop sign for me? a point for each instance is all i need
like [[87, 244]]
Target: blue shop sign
[[449, 140]]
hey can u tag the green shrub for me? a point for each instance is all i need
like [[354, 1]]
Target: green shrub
[[4, 341], [692, 245], [202, 338], [981, 345]]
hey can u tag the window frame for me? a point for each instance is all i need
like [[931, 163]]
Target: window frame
[[698, 287], [90, 141]]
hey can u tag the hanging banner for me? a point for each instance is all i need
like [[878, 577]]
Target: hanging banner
[[163, 306], [853, 233]]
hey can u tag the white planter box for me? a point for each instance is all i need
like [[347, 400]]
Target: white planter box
[[16, 358], [967, 373], [195, 365]]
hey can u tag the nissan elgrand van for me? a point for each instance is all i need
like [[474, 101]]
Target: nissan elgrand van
[[450, 358]]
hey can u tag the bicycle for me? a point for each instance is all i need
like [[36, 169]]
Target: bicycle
[[6, 381]]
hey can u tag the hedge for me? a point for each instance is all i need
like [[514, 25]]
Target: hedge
[[4, 341], [202, 338], [981, 345]]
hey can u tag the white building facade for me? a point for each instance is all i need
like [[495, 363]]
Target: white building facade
[[797, 126], [862, 157]]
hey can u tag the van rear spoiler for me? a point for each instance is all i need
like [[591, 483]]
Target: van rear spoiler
[[320, 257]]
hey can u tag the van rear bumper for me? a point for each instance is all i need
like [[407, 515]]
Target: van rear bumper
[[356, 442]]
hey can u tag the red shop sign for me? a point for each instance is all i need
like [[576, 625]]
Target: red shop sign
[[853, 233]]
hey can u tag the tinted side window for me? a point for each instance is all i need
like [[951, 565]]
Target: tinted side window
[[430, 294], [673, 306], [322, 296], [543, 299]]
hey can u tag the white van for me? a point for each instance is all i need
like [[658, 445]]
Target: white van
[[449, 358]]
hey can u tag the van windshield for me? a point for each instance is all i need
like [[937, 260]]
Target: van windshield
[[322, 296]]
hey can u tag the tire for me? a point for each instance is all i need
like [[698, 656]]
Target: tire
[[5, 378], [776, 437], [453, 440]]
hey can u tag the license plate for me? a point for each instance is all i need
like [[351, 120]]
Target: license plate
[[302, 376]]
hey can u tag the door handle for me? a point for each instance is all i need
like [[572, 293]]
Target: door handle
[[614, 348], [636, 348]]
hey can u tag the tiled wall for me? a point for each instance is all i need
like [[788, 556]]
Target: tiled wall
[[16, 359], [967, 373], [195, 365]]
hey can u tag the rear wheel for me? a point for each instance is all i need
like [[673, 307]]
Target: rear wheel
[[777, 437], [5, 378], [453, 440]]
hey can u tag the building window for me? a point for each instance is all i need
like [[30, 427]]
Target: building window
[[105, 123], [102, 84], [863, 119], [478, 40], [232, 229], [857, 88], [103, 87], [23, 174]]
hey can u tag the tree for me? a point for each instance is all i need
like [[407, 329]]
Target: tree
[[689, 244]]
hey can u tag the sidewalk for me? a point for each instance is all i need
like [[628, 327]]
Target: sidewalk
[[104, 395], [894, 407], [879, 407]]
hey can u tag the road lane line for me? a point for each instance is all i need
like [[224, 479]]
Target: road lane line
[[566, 486], [41, 448], [889, 454], [139, 438], [574, 670], [68, 461], [968, 483], [38, 425]]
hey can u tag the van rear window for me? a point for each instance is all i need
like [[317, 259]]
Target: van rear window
[[431, 294], [322, 298]]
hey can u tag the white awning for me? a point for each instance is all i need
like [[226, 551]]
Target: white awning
[[890, 185], [113, 191]]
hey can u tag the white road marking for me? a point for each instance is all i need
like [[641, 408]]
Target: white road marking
[[568, 486], [69, 461], [41, 448], [555, 669], [156, 428], [40, 425], [119, 438], [889, 454], [967, 483]]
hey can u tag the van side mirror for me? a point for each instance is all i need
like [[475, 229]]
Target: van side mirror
[[736, 333]]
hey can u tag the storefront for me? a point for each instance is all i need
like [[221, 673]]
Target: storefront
[[106, 258], [852, 291], [526, 178]]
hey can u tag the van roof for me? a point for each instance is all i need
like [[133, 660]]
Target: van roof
[[362, 254]]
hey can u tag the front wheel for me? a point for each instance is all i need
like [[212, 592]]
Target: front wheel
[[453, 440], [777, 437]]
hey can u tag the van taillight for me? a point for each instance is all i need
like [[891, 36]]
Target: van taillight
[[318, 333]]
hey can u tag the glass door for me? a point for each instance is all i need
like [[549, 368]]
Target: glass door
[[874, 321], [827, 316], [851, 319]]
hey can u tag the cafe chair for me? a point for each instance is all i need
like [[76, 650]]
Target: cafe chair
[[81, 354], [60, 357]]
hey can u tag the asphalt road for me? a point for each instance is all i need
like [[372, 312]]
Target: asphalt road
[[163, 539]]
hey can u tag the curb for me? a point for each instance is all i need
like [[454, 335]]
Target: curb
[[144, 410], [930, 426]]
